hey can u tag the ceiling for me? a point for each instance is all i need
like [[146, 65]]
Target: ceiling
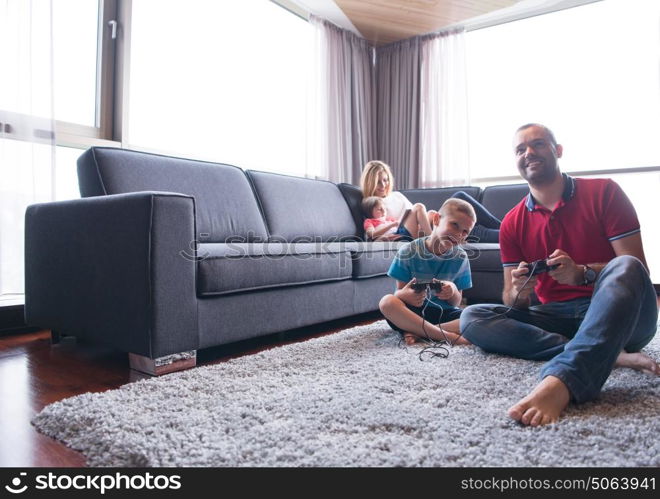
[[386, 21]]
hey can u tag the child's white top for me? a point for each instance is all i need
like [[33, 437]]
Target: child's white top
[[395, 204]]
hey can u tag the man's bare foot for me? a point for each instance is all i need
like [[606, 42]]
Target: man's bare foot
[[543, 405], [638, 361]]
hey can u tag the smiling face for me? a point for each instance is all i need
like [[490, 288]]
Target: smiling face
[[450, 229], [536, 155], [376, 179], [382, 184]]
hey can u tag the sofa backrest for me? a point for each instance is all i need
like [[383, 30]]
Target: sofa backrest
[[499, 199], [434, 197], [353, 197], [301, 209], [225, 205]]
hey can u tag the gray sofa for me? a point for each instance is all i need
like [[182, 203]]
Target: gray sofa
[[163, 256]]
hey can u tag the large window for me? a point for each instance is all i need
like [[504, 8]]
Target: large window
[[79, 96], [223, 81], [75, 35], [591, 74]]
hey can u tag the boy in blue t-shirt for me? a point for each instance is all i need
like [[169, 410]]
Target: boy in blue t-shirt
[[439, 258]]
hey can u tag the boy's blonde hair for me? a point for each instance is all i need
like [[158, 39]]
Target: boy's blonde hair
[[369, 178], [369, 203], [455, 204]]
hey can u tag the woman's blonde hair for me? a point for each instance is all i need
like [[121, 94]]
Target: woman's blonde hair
[[369, 178]]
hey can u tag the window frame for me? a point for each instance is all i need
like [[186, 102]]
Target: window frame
[[109, 70]]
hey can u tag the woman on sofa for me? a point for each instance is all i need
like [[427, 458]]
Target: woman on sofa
[[377, 180]]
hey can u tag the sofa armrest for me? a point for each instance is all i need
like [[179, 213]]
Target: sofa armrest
[[115, 269]]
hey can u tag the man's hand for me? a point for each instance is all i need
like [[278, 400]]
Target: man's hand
[[409, 296], [568, 271], [522, 285]]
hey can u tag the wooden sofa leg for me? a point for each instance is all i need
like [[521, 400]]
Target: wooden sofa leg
[[163, 365]]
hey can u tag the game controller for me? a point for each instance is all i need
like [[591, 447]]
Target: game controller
[[422, 284], [539, 266]]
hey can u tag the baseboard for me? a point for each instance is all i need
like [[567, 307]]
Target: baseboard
[[12, 319]]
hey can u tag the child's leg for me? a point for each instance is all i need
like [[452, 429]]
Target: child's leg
[[454, 328], [397, 312], [417, 222]]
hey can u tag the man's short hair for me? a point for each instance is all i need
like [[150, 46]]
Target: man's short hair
[[548, 132], [455, 204]]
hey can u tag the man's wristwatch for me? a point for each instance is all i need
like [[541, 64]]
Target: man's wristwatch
[[588, 275]]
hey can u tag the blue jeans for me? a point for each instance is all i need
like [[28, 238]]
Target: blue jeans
[[581, 338], [487, 227]]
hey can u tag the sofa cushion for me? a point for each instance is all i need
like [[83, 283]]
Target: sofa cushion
[[233, 267], [499, 199], [433, 198], [225, 206], [373, 258], [301, 209], [484, 257]]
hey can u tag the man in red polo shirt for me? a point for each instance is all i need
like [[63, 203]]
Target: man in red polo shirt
[[598, 305]]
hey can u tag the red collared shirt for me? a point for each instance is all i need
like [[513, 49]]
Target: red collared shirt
[[591, 214]]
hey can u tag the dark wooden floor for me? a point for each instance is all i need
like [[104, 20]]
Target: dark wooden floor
[[34, 373]]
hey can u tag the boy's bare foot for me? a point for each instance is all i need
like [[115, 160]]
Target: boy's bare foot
[[410, 338], [638, 361], [454, 338], [543, 405]]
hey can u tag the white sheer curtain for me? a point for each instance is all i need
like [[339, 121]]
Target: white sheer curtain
[[444, 158], [345, 109], [27, 150]]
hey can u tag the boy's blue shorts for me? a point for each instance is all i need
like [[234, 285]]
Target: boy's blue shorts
[[434, 315]]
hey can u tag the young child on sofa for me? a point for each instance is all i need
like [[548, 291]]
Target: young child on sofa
[[378, 226], [432, 313]]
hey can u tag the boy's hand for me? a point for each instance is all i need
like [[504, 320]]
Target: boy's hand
[[519, 278], [411, 297], [447, 291]]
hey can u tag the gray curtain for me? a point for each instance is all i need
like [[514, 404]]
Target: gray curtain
[[398, 110], [347, 113]]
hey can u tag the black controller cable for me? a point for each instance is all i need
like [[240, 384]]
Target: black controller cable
[[437, 348]]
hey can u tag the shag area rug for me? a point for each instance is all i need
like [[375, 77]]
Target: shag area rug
[[357, 399]]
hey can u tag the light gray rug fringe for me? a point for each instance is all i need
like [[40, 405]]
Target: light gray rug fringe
[[355, 399]]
